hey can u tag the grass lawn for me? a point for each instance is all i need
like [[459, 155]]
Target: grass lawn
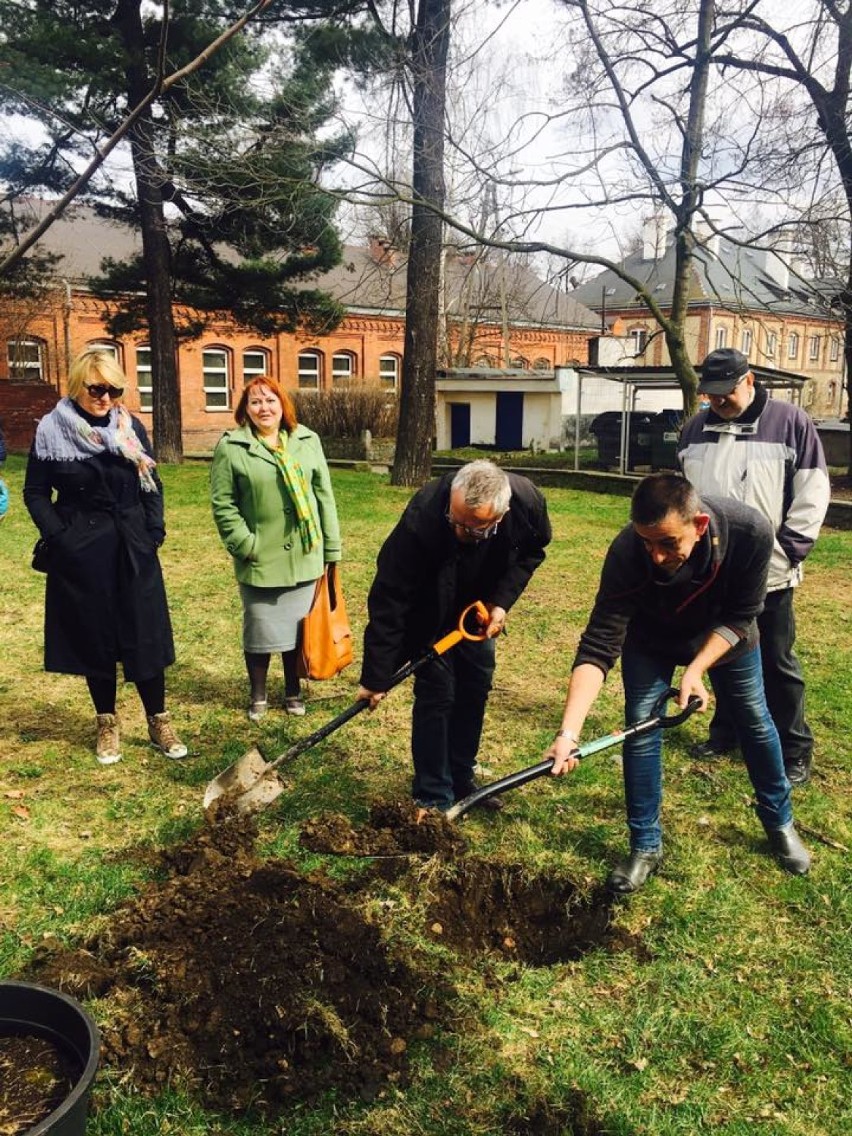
[[719, 1001]]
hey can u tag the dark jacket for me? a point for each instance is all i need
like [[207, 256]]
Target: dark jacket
[[721, 587], [425, 576], [105, 601]]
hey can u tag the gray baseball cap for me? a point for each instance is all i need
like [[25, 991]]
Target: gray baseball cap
[[722, 370]]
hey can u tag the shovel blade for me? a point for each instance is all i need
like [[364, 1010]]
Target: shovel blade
[[238, 778], [262, 793]]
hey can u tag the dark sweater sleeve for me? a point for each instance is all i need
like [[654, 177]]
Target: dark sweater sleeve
[[38, 496], [748, 564], [399, 580], [619, 593]]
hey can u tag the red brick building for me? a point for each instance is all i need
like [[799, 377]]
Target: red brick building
[[495, 314]]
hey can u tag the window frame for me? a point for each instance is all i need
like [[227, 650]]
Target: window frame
[[793, 345], [317, 357], [339, 379], [145, 390], [393, 384], [814, 348], [26, 371], [721, 338], [216, 389], [250, 373], [746, 341]]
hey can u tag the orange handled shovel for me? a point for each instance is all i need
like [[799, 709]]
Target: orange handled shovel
[[251, 783]]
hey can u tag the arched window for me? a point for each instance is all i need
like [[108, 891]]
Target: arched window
[[310, 370], [26, 359], [144, 382], [542, 364], [255, 363], [389, 371], [108, 346], [343, 368], [793, 345], [721, 337], [520, 363], [216, 378], [745, 342], [639, 335]]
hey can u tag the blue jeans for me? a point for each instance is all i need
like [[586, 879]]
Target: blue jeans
[[450, 695], [740, 684]]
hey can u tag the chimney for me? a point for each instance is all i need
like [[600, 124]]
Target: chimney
[[774, 263], [654, 237], [706, 236]]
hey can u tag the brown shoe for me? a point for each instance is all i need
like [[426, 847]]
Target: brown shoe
[[163, 737], [108, 749]]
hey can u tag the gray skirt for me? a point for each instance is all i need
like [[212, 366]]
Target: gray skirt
[[271, 616]]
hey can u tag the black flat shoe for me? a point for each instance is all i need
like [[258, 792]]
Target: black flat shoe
[[798, 770], [629, 875], [788, 850], [709, 751]]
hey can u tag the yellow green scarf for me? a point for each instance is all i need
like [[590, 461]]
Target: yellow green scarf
[[297, 487]]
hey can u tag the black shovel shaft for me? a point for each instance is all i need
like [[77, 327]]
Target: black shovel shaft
[[522, 776], [350, 712]]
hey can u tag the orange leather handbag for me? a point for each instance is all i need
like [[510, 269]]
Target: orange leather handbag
[[325, 637]]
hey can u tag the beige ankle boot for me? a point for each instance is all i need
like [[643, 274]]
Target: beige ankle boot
[[109, 739], [163, 737]]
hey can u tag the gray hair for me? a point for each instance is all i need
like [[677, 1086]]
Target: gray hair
[[484, 483]]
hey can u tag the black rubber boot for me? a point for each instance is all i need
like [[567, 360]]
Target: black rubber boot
[[629, 875], [788, 850]]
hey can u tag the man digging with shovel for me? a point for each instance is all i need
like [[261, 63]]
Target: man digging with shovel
[[478, 533], [682, 585]]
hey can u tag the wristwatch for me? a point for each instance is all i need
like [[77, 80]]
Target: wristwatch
[[569, 734]]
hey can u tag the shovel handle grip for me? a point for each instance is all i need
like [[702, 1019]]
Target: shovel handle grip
[[461, 632]]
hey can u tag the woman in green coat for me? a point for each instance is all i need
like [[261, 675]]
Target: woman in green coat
[[275, 511]]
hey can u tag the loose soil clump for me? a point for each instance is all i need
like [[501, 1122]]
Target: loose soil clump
[[392, 829], [249, 982]]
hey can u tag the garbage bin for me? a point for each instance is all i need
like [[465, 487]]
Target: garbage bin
[[606, 428], [665, 432]]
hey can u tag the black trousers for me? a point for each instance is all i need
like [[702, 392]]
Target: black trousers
[[782, 679], [450, 695]]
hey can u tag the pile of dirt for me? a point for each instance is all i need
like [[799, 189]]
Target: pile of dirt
[[392, 829], [253, 983], [249, 982]]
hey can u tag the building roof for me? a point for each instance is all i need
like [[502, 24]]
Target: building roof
[[723, 274], [368, 280]]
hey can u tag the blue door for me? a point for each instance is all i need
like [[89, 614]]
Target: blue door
[[459, 425], [510, 420]]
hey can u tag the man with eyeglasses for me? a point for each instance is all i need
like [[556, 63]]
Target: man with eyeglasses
[[766, 453], [477, 534]]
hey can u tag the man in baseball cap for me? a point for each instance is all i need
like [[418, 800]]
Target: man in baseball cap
[[722, 371], [765, 452]]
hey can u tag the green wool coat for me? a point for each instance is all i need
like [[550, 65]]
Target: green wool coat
[[256, 518]]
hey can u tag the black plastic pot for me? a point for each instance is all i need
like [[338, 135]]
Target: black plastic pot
[[29, 1010]]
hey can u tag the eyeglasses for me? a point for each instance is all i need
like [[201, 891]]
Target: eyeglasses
[[475, 534], [98, 390]]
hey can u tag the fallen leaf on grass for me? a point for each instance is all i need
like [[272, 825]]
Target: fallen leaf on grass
[[14, 794], [21, 811]]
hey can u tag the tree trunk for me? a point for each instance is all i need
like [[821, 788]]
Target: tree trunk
[[156, 253], [413, 459]]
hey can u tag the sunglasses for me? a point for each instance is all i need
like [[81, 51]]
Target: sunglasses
[[475, 534], [98, 390]]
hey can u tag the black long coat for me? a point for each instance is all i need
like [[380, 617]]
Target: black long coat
[[105, 601]]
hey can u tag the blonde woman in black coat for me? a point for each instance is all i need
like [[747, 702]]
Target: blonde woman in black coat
[[92, 489]]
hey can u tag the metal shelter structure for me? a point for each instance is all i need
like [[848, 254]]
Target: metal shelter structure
[[633, 380]]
